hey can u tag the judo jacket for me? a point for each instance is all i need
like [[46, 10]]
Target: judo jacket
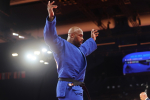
[[70, 60]]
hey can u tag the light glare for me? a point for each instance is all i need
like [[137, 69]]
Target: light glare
[[44, 50], [37, 52], [49, 52], [21, 37], [41, 61], [14, 54], [31, 57], [45, 63], [15, 34]]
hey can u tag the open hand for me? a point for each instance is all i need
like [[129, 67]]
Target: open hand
[[50, 7], [94, 34]]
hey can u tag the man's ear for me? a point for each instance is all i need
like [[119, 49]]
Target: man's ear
[[72, 35]]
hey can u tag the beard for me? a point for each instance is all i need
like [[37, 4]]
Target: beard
[[77, 43]]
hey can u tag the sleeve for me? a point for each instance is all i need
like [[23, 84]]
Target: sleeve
[[88, 46], [50, 36]]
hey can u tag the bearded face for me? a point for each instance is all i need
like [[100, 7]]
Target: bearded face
[[78, 38], [75, 36]]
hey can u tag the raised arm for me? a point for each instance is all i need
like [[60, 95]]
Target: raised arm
[[94, 34], [50, 7], [90, 45], [50, 34]]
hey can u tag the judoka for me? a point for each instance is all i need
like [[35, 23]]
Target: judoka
[[70, 56]]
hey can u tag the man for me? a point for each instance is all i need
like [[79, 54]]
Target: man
[[143, 96], [69, 56]]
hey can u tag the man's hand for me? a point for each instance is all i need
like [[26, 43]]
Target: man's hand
[[50, 7], [94, 34]]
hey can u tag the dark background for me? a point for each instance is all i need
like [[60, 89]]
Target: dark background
[[104, 74]]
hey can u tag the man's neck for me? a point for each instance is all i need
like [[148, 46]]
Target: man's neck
[[69, 40]]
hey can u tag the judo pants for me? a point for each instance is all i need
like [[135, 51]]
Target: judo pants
[[72, 94]]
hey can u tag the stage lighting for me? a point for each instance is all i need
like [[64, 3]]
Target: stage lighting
[[45, 63], [14, 54], [142, 84], [49, 52], [130, 85], [118, 86], [113, 87], [41, 61], [15, 34], [44, 50], [21, 37], [37, 52], [31, 57]]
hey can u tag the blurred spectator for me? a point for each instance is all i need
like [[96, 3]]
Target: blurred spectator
[[143, 96]]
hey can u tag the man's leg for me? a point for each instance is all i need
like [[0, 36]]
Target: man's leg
[[72, 95]]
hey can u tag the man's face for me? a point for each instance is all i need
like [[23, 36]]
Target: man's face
[[78, 38], [143, 96]]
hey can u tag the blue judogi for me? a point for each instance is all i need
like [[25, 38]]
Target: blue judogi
[[70, 60]]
